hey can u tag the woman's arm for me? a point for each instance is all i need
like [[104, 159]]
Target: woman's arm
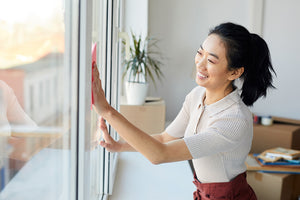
[[152, 149], [120, 146]]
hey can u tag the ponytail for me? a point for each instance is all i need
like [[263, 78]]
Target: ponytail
[[250, 51], [258, 74]]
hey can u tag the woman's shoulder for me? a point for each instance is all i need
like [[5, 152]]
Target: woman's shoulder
[[6, 91], [233, 107], [195, 95], [2, 83], [4, 86], [239, 110]]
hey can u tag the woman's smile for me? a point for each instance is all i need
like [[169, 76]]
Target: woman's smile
[[201, 76]]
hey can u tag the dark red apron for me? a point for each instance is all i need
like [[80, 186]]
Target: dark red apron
[[236, 189]]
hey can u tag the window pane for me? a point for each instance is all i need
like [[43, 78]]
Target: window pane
[[104, 27], [97, 164], [35, 95]]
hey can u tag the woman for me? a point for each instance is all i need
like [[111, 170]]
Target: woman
[[214, 127], [11, 112]]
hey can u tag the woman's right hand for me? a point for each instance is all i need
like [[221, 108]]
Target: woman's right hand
[[108, 143], [100, 103]]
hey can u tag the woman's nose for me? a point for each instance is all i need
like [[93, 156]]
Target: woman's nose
[[200, 63]]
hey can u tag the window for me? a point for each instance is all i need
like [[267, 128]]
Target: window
[[48, 132], [105, 27], [36, 137]]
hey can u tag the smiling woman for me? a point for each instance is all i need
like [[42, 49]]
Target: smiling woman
[[214, 126], [212, 72]]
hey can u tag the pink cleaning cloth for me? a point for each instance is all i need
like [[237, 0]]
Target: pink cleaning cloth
[[94, 59]]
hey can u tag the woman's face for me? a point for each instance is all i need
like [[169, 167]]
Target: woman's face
[[211, 64]]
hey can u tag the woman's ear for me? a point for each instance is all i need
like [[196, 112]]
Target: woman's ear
[[236, 73]]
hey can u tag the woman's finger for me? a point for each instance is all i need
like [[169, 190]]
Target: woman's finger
[[96, 85], [103, 144], [100, 103], [106, 146], [107, 138], [96, 79], [102, 124], [95, 70]]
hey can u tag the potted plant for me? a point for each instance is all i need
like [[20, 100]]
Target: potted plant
[[144, 63]]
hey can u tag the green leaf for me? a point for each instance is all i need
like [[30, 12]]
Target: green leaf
[[141, 60]]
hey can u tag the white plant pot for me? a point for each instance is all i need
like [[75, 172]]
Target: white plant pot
[[136, 93]]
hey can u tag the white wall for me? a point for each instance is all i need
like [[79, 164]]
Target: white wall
[[183, 25], [135, 17], [281, 30]]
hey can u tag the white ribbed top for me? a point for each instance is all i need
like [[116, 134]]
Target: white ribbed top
[[219, 135]]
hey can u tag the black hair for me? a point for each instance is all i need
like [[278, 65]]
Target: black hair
[[248, 50]]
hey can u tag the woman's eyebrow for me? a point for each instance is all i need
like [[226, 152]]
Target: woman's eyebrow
[[212, 54]]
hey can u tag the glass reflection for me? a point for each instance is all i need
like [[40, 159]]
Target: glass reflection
[[34, 101]]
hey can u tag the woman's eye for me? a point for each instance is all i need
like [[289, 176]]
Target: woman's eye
[[211, 61], [199, 52]]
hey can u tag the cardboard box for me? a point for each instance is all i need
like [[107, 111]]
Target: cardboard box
[[149, 117], [296, 191], [272, 186], [286, 120], [276, 135]]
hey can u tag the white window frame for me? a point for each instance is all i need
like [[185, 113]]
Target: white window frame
[[109, 71]]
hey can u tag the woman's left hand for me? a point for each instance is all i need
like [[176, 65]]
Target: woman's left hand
[[109, 143], [101, 106]]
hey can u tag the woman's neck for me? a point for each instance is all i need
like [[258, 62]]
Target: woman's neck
[[214, 96]]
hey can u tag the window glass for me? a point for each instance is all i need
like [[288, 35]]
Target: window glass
[[35, 99], [41, 151], [96, 153], [105, 29]]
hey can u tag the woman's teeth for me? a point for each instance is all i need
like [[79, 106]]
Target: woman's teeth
[[201, 75]]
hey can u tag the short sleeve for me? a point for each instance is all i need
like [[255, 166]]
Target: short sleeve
[[223, 135]]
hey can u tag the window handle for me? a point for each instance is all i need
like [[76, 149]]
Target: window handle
[[125, 36]]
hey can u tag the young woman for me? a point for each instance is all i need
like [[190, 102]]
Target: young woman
[[214, 127]]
